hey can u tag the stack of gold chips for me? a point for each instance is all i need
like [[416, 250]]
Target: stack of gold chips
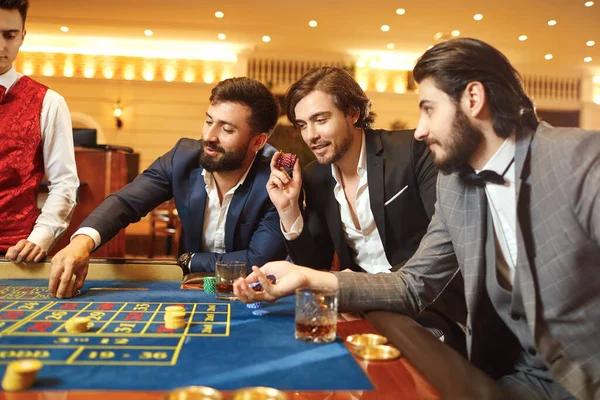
[[174, 317], [77, 325], [20, 375]]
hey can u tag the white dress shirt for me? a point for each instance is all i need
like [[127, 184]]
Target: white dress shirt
[[364, 240], [215, 216], [502, 204], [59, 166]]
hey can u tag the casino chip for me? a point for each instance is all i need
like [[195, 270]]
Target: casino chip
[[254, 305], [286, 160], [257, 287], [260, 312], [20, 374], [209, 284], [77, 325]]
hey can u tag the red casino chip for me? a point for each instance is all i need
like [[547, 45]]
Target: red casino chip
[[286, 160]]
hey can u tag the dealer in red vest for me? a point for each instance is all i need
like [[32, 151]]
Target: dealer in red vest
[[36, 139]]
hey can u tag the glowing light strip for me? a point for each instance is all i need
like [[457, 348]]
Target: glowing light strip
[[132, 48], [396, 61]]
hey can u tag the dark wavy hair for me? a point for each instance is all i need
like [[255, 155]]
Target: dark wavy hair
[[455, 63], [264, 108], [346, 92], [21, 5]]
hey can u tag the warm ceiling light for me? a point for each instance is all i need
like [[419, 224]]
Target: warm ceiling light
[[222, 36], [148, 32], [587, 59], [400, 11], [64, 29], [588, 3], [312, 23], [455, 33], [266, 39], [523, 38], [385, 28], [438, 36], [552, 22], [590, 43], [548, 56], [478, 17], [390, 46], [219, 14]]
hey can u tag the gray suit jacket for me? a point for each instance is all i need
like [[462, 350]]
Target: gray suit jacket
[[558, 237]]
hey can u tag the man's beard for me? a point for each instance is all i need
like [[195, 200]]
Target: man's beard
[[341, 148], [460, 146], [229, 161]]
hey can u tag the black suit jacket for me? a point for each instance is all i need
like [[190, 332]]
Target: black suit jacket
[[394, 160], [252, 232]]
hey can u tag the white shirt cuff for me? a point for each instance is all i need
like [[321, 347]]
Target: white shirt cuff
[[41, 236], [91, 232], [295, 230]]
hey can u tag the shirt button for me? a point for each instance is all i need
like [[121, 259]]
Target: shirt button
[[515, 317]]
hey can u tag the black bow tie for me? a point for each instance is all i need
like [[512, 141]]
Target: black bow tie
[[2, 92], [479, 179]]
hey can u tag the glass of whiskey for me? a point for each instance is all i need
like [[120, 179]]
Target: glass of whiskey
[[316, 315], [226, 272]]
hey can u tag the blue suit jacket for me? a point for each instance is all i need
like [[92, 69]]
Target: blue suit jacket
[[252, 231]]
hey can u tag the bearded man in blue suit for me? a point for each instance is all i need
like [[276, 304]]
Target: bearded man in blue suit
[[218, 184]]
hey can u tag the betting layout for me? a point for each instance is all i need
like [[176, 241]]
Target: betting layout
[[121, 333]]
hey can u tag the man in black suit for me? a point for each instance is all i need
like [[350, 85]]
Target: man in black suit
[[218, 184], [368, 197]]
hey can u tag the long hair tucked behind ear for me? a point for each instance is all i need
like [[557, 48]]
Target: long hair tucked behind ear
[[455, 63]]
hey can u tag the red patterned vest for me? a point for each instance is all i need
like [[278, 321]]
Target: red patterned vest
[[21, 161]]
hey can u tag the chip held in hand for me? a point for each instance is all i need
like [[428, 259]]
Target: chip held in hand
[[257, 287], [286, 160]]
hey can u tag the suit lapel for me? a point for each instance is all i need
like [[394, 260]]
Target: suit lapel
[[334, 220], [476, 231], [375, 180], [524, 243], [197, 201], [521, 153]]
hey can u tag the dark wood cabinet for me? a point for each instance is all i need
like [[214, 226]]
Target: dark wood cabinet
[[101, 172]]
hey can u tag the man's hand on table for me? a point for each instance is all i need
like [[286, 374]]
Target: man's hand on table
[[72, 260]]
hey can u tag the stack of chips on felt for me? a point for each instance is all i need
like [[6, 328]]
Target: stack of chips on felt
[[209, 284], [175, 317], [20, 375], [77, 325]]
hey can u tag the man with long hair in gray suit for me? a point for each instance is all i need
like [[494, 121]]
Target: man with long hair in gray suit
[[518, 208]]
